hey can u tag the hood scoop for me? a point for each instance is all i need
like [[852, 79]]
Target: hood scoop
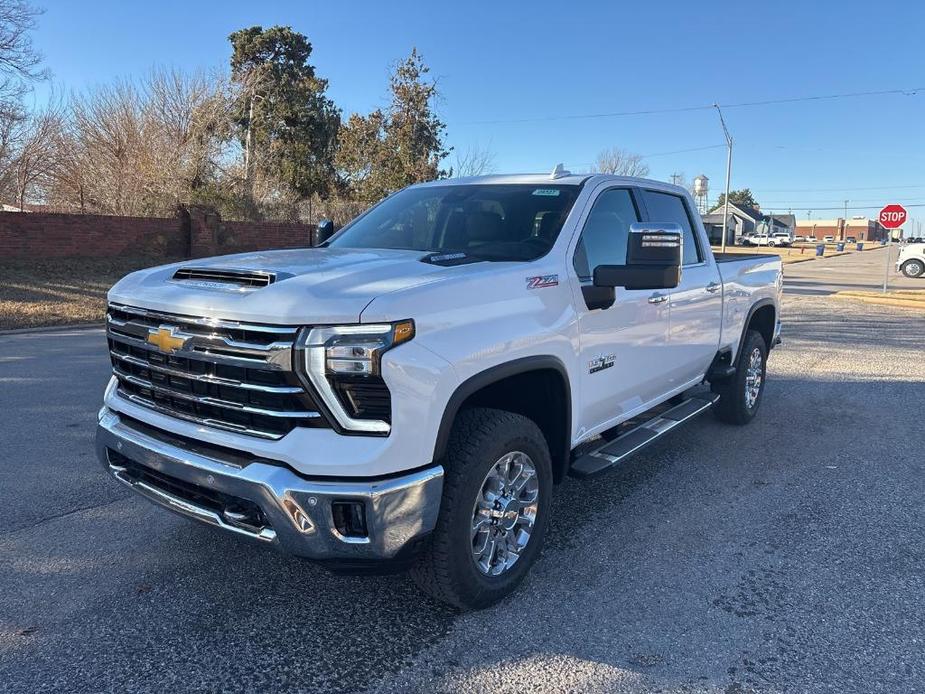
[[227, 278]]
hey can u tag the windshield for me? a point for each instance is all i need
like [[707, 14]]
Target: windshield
[[487, 222]]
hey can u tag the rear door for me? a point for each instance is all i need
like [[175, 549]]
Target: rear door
[[622, 347], [695, 306]]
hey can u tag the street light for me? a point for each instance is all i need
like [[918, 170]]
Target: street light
[[728, 174]]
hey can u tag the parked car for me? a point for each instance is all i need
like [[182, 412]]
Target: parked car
[[780, 238], [852, 239], [409, 393], [828, 239], [756, 239], [763, 239], [911, 261]]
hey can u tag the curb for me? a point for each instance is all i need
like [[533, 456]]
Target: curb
[[52, 328]]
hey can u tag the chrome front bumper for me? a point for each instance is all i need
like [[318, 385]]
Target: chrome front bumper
[[296, 514]]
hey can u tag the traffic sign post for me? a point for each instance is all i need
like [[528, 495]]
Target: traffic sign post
[[891, 217]]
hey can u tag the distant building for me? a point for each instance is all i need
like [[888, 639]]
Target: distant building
[[744, 220], [786, 223], [860, 228]]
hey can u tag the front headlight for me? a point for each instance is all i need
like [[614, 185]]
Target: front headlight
[[341, 360]]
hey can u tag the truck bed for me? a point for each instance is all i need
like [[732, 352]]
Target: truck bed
[[748, 278]]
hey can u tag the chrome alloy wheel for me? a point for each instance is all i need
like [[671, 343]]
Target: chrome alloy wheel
[[753, 378], [504, 513]]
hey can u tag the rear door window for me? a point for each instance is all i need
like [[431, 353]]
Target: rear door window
[[667, 207]]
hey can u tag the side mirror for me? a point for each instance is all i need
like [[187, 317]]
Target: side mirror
[[322, 232], [653, 259]]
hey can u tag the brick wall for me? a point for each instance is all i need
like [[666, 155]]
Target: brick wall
[[192, 233]]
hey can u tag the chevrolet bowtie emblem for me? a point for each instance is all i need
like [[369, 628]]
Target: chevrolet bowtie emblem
[[165, 339]]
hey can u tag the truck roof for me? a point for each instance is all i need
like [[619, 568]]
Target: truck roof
[[569, 179]]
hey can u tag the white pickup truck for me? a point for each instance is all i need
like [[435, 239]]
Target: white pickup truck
[[408, 394], [911, 261]]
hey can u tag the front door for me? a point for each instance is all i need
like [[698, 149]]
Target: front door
[[622, 347]]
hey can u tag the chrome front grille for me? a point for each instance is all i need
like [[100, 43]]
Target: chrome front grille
[[228, 375]]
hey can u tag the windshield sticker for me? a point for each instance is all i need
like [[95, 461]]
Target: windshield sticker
[[542, 281], [548, 192]]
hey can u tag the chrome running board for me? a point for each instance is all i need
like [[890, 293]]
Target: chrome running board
[[612, 453]]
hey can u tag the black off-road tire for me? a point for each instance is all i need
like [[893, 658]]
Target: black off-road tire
[[445, 569], [733, 407]]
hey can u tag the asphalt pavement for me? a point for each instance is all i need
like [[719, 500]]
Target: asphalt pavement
[[782, 556], [856, 271]]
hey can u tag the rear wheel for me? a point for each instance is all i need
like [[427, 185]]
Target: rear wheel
[[913, 268], [740, 394], [494, 511]]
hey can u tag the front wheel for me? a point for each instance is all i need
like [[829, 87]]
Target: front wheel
[[913, 268], [496, 493], [740, 394]]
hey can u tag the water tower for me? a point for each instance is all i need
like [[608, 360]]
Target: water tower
[[701, 190]]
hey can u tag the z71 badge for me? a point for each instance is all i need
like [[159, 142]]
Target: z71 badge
[[600, 363], [542, 281]]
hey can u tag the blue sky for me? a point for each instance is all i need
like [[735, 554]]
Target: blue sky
[[546, 60]]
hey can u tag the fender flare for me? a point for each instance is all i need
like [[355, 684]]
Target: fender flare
[[497, 373], [761, 303]]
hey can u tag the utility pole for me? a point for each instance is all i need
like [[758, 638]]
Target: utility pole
[[845, 225], [728, 174]]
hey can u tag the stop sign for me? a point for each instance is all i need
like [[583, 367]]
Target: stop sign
[[893, 216]]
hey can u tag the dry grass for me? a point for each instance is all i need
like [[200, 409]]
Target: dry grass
[[905, 298], [60, 292], [798, 253], [787, 255]]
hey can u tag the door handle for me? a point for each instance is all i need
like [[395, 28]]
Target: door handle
[[714, 287], [658, 298]]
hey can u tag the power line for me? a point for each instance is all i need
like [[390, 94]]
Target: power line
[[587, 164], [842, 207], [832, 190], [811, 203], [682, 151], [648, 112]]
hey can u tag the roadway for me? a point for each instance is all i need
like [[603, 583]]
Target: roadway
[[783, 556], [855, 271]]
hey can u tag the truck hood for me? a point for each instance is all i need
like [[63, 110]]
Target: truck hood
[[312, 285]]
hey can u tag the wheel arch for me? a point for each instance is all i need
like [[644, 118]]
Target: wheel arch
[[762, 316], [537, 387]]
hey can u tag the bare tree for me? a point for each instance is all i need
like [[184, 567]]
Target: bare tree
[[621, 163], [35, 158], [19, 61], [19, 65], [142, 148], [475, 161]]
